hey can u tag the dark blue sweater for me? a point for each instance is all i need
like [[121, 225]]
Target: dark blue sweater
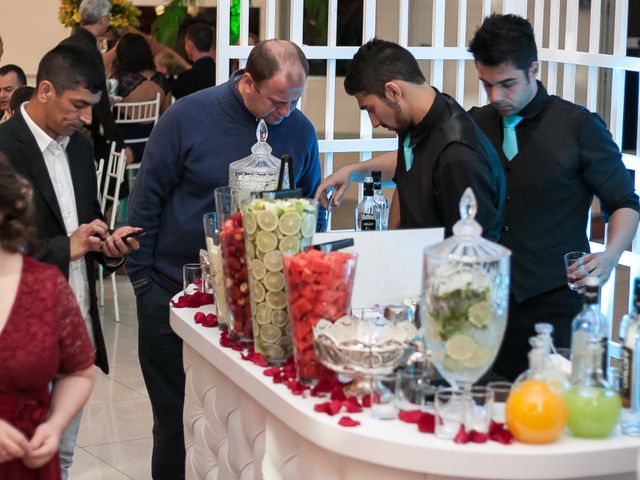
[[186, 158]]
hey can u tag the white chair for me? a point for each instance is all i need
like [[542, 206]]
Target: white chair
[[109, 200], [99, 169]]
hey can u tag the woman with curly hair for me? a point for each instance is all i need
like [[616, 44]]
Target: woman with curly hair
[[42, 338]]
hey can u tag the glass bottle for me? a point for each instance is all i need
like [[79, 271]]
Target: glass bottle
[[630, 367], [380, 199], [589, 323], [367, 211], [593, 406], [534, 412]]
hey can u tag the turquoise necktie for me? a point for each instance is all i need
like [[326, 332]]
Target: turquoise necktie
[[408, 153], [510, 141]]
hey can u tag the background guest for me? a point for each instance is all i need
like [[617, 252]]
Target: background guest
[[42, 336], [200, 46], [12, 77], [20, 95]]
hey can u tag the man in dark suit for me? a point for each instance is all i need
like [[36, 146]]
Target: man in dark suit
[[556, 155], [94, 23], [43, 143], [200, 46]]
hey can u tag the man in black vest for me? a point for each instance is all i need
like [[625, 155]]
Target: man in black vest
[[556, 156], [441, 151]]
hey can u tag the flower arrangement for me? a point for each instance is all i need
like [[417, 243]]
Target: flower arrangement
[[123, 14]]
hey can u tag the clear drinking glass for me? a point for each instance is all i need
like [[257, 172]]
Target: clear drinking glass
[[449, 405], [191, 278], [411, 388], [501, 392], [383, 398], [212, 237], [573, 262]]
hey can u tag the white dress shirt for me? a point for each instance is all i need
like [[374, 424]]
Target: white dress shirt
[[57, 162]]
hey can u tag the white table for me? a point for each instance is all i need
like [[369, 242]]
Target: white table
[[239, 425]]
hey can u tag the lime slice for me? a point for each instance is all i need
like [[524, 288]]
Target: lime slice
[[269, 333], [279, 318], [289, 223], [308, 225], [250, 224], [250, 250], [481, 358], [273, 261], [460, 347], [266, 241], [263, 313], [277, 300], [258, 269], [290, 244], [273, 351], [258, 293], [451, 365], [480, 314], [274, 281], [267, 220]]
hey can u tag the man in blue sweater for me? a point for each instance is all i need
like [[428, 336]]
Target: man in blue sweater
[[186, 158]]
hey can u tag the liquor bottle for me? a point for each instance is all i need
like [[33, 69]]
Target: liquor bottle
[[534, 412], [589, 323], [367, 211], [380, 199], [593, 406], [630, 374]]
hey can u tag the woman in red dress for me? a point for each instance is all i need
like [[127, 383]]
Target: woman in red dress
[[42, 337]]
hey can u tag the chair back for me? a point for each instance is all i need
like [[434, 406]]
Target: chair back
[[114, 173], [137, 112], [99, 169]]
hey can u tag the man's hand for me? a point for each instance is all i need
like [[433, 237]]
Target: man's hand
[[115, 247], [87, 238], [598, 265], [13, 443], [338, 180], [44, 444]]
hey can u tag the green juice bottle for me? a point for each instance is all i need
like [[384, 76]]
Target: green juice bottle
[[593, 407]]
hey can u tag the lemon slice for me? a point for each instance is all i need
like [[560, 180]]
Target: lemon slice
[[274, 281], [308, 225], [273, 261], [279, 318], [266, 241], [289, 223], [270, 333], [290, 243], [263, 313], [258, 292], [277, 300], [480, 314], [460, 347], [258, 269], [273, 351], [249, 222], [250, 250], [481, 358], [267, 220]]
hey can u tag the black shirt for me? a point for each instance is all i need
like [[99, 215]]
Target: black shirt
[[200, 76]]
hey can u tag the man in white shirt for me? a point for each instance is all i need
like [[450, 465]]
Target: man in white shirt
[[12, 77], [43, 143]]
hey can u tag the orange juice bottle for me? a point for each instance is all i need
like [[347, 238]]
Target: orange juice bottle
[[534, 412]]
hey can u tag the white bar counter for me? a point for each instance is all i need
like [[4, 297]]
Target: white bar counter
[[240, 425]]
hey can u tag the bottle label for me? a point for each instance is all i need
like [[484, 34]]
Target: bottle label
[[368, 224], [626, 376]]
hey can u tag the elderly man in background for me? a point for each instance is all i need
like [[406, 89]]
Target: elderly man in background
[[186, 158], [12, 77]]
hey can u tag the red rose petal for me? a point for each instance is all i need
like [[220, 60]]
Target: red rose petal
[[352, 405], [296, 387], [427, 423], [410, 416], [366, 401], [348, 422], [503, 436], [271, 372], [477, 437], [338, 394], [199, 317], [462, 436]]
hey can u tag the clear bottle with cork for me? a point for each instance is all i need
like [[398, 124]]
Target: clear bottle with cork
[[630, 367], [367, 211], [588, 323], [380, 199]]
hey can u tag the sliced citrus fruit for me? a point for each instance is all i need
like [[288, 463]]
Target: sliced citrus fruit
[[460, 347], [279, 318], [263, 313], [270, 333], [277, 300], [308, 225], [290, 243], [480, 314], [273, 351], [481, 358], [258, 269], [274, 281], [266, 241], [258, 293], [250, 250], [250, 224], [267, 220], [289, 223], [273, 261]]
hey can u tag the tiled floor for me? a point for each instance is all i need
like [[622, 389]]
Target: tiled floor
[[115, 435]]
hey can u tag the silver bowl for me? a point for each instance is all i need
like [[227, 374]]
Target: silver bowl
[[362, 347]]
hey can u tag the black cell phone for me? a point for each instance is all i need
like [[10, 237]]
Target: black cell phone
[[136, 234]]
